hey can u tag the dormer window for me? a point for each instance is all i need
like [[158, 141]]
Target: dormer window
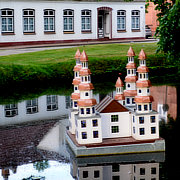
[[86, 94], [139, 90]]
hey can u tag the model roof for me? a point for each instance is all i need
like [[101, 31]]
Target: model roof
[[108, 105]]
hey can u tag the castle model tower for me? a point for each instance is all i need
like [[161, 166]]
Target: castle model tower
[[119, 91], [130, 80], [75, 95], [145, 120], [88, 123]]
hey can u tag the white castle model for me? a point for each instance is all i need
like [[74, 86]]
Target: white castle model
[[128, 115]]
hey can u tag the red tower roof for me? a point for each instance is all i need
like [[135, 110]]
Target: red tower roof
[[77, 67], [76, 81], [86, 86], [119, 82], [87, 102], [78, 54], [75, 96], [84, 57], [142, 55], [143, 83], [142, 69], [131, 66], [143, 99], [131, 52], [128, 93], [119, 97], [84, 72], [131, 79]]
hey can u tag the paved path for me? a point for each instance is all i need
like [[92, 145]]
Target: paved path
[[4, 51]]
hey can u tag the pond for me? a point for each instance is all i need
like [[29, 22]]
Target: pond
[[32, 142]]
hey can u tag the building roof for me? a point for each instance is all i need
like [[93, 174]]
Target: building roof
[[119, 97], [77, 67], [84, 57], [142, 69], [143, 83], [131, 79], [119, 82], [76, 81], [84, 72], [143, 99], [86, 102], [109, 105], [75, 96], [131, 52], [86, 86], [78, 54], [142, 55], [129, 93], [131, 66]]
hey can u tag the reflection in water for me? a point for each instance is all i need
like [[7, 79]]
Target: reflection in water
[[33, 131]]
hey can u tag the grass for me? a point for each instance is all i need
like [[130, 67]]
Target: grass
[[63, 55]]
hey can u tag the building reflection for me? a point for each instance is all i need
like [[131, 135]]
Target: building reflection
[[122, 167]]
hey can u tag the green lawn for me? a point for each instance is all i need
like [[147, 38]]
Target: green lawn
[[61, 55]]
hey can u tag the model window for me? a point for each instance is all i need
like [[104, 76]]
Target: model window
[[52, 102], [86, 20], [11, 110], [141, 120], [75, 104], [128, 101], [115, 168], [153, 170], [32, 106], [128, 85], [96, 174], [141, 131], [142, 171], [114, 129], [139, 90], [88, 110], [86, 94], [135, 20], [150, 106], [85, 174], [145, 107], [83, 123], [7, 20], [82, 110], [147, 90], [95, 122], [121, 20], [114, 118], [115, 177], [95, 134], [29, 20], [133, 101], [134, 130], [139, 107], [49, 20], [93, 110], [153, 119], [153, 130], [84, 135], [68, 19]]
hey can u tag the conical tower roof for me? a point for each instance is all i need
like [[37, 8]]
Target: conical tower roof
[[131, 52], [84, 57], [78, 54], [142, 55], [119, 82]]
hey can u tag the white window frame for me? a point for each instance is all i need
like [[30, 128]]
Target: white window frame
[[32, 106], [135, 20], [29, 25], [52, 102], [121, 20], [68, 16], [11, 110], [49, 20], [86, 20], [7, 15]]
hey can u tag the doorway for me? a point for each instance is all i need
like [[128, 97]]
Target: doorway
[[104, 23]]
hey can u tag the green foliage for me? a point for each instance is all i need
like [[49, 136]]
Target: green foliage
[[41, 165]]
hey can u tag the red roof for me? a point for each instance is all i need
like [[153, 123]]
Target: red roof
[[77, 67], [76, 81], [86, 102], [75, 96], [143, 99], [85, 86], [119, 97], [131, 52], [84, 57], [131, 66], [130, 93], [142, 55], [142, 69], [78, 54], [143, 83], [84, 72], [119, 82], [131, 79]]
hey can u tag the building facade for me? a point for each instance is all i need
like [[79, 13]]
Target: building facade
[[45, 21]]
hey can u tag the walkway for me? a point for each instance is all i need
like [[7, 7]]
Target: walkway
[[4, 51]]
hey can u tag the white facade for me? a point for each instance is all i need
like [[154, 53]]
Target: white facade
[[101, 21]]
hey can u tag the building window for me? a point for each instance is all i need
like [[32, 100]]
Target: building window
[[86, 94], [121, 20], [153, 170], [139, 90], [88, 110], [133, 101], [85, 174], [135, 20], [115, 168], [49, 20], [29, 21], [32, 106], [95, 122], [114, 118], [75, 103], [95, 134], [83, 123], [148, 90], [145, 107], [141, 120], [96, 174], [93, 110], [84, 135], [7, 20], [114, 129], [11, 110], [68, 19], [52, 102], [128, 101], [133, 119], [142, 171], [150, 106], [139, 107], [153, 119], [153, 130], [141, 131], [82, 110], [134, 130], [85, 20], [115, 177]]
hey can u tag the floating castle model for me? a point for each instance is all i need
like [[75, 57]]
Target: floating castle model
[[125, 124]]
